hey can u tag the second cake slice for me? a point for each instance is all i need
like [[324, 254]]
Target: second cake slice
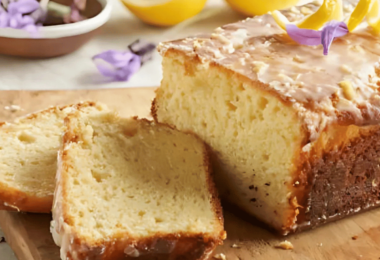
[[133, 188]]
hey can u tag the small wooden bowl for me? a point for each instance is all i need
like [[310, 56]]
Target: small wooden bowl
[[56, 40]]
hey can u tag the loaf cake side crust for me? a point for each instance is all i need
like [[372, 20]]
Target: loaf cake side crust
[[341, 175], [180, 245], [36, 199]]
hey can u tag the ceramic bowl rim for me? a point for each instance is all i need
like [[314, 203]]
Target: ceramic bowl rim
[[64, 30]]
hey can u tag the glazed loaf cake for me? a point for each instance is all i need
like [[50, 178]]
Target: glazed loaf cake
[[294, 134], [28, 152], [133, 189]]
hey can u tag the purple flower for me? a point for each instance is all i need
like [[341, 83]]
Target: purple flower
[[118, 65], [22, 7], [121, 65], [19, 15], [330, 31]]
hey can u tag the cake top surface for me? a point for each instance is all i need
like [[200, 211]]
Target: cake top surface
[[342, 86]]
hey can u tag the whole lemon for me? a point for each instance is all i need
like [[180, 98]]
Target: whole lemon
[[260, 7], [164, 12]]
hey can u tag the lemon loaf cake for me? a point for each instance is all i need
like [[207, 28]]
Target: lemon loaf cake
[[133, 189], [28, 152], [294, 134]]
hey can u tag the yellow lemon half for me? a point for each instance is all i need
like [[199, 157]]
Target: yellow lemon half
[[260, 7], [329, 10], [164, 12], [373, 16]]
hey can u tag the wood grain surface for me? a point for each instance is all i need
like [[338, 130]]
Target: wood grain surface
[[29, 237]]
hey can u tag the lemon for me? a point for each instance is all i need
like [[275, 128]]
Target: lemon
[[260, 7], [329, 10], [164, 12], [360, 11], [373, 16]]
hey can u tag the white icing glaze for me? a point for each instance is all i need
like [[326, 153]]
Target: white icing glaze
[[299, 74]]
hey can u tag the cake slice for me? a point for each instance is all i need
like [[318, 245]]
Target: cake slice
[[28, 157], [294, 134], [129, 188]]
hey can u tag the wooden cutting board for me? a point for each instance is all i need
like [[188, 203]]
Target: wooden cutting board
[[29, 237]]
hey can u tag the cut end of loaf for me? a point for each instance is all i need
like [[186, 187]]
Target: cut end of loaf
[[28, 148], [142, 185], [254, 136]]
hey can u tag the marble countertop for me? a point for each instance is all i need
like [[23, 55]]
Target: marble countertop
[[77, 71]]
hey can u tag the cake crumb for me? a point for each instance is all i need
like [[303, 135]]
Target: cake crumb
[[346, 69], [347, 88], [2, 240], [319, 244], [259, 67], [374, 183], [13, 108], [235, 246], [354, 237], [219, 30], [298, 58], [220, 37], [357, 48], [285, 78], [286, 245], [220, 256]]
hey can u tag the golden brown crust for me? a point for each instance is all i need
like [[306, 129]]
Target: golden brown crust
[[178, 246], [185, 245], [154, 108], [18, 200], [340, 175]]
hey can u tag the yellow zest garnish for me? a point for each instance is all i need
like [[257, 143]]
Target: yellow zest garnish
[[329, 10], [360, 11], [373, 16]]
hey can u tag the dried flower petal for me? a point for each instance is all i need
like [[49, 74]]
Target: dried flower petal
[[4, 20], [143, 49], [118, 65], [304, 36], [74, 16], [23, 7], [331, 31]]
